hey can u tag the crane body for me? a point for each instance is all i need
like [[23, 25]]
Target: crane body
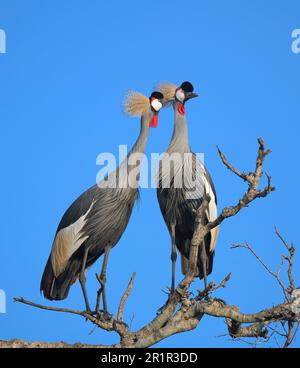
[[182, 193], [96, 220]]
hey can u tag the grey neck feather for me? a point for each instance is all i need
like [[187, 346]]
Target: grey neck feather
[[140, 144], [141, 141], [179, 142]]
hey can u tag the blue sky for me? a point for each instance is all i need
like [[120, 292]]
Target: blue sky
[[62, 81]]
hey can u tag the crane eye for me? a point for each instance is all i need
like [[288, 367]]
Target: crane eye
[[180, 95], [156, 104]]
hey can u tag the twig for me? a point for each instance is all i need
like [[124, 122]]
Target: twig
[[289, 335], [230, 166], [108, 325], [289, 259], [212, 287], [276, 275], [282, 240], [125, 297], [54, 309]]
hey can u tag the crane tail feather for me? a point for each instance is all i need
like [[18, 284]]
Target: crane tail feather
[[57, 288], [47, 281]]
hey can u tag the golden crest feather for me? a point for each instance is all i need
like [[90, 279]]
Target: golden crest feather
[[136, 104], [168, 90]]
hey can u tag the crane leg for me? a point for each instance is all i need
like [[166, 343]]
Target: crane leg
[[203, 257], [82, 280], [173, 257], [102, 278]]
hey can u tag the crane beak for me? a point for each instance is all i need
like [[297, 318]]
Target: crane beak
[[189, 95]]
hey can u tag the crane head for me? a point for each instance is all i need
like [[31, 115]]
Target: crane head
[[136, 104], [156, 104], [185, 92], [173, 93]]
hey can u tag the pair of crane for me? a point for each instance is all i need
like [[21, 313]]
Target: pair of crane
[[96, 220]]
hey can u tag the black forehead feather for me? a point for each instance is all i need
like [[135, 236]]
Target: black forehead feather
[[187, 87], [157, 95]]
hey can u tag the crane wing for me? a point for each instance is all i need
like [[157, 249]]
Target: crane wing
[[196, 182], [68, 236], [77, 209]]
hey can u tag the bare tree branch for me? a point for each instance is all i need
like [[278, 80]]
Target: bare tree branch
[[291, 294], [100, 321]]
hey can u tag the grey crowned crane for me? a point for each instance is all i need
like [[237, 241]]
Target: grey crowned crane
[[182, 182], [96, 220]]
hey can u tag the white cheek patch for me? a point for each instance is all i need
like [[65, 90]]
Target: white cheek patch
[[156, 104], [180, 95]]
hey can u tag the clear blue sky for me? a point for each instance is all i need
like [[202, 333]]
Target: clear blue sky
[[62, 81]]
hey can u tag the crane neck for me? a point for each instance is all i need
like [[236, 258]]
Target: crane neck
[[180, 141], [140, 144], [121, 178], [131, 162]]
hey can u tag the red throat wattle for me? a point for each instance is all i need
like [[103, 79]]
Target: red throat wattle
[[181, 109], [154, 121]]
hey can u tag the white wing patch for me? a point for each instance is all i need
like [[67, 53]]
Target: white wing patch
[[211, 214], [66, 242]]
